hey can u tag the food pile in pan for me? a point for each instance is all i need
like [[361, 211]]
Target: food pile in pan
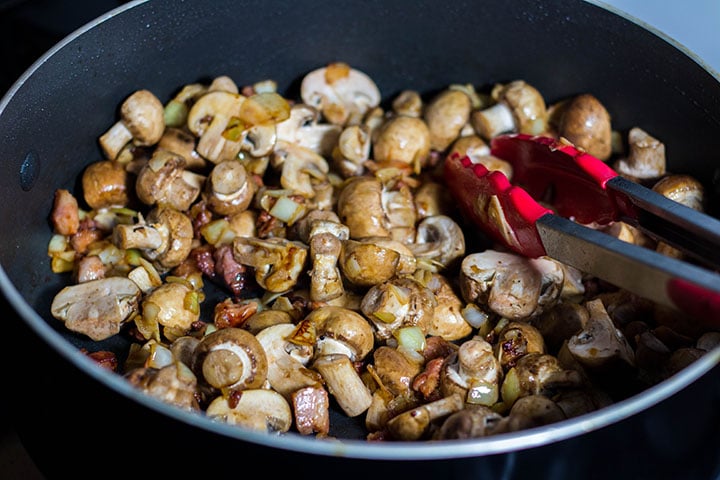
[[273, 259]]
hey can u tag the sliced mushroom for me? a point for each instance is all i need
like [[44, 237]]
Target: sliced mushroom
[[277, 262], [440, 240], [287, 372], [303, 128], [473, 372], [326, 281], [164, 180], [165, 237], [448, 321], [301, 168], [445, 115], [352, 150], [142, 121], [97, 308], [512, 286], [229, 189], [645, 159], [585, 122], [342, 94], [232, 359], [260, 409], [416, 423], [106, 184], [208, 119], [519, 108]]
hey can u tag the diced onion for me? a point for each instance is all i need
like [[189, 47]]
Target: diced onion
[[287, 210], [412, 338]]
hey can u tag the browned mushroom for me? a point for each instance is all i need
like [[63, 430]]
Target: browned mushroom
[[403, 139], [645, 159], [473, 421], [445, 115], [106, 184], [164, 180], [229, 189], [586, 124], [515, 340], [258, 409], [416, 423], [173, 306], [277, 262], [142, 120], [174, 384], [373, 260], [473, 372], [537, 374], [519, 107]]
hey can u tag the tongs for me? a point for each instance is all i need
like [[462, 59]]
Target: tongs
[[584, 191]]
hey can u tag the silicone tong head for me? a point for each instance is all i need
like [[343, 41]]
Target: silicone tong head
[[505, 212], [559, 174]]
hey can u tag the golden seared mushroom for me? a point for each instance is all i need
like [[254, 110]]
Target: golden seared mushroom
[[142, 121], [174, 306], [600, 345], [374, 260], [231, 359], [288, 352], [265, 318], [208, 120], [448, 321], [399, 302], [326, 281], [174, 384], [394, 369], [512, 286], [97, 308], [229, 189], [304, 129], [515, 340], [164, 237], [341, 330], [473, 372], [537, 374], [683, 189], [560, 323], [439, 240], [257, 409], [645, 159], [106, 184], [352, 150], [182, 142], [277, 262], [519, 108], [342, 94], [301, 168], [585, 122], [445, 115], [417, 423], [360, 207], [478, 151], [408, 103], [531, 411], [344, 383], [164, 180], [432, 198], [473, 421], [403, 139]]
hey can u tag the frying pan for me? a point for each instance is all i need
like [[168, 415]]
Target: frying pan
[[80, 420]]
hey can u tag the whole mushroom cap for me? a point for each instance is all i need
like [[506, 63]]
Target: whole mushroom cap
[[586, 124], [144, 115], [180, 235], [106, 184], [345, 326], [402, 139], [446, 115]]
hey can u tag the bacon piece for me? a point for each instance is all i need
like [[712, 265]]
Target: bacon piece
[[231, 314], [65, 215], [90, 268], [88, 232], [427, 382], [312, 410]]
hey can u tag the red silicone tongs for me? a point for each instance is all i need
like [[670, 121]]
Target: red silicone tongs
[[583, 190]]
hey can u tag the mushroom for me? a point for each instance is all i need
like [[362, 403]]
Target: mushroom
[[512, 286], [519, 108], [352, 150], [172, 305], [97, 308], [399, 207], [439, 240], [303, 129], [182, 142], [265, 318], [141, 121], [403, 139], [560, 323], [683, 189], [229, 189], [432, 198], [408, 103], [515, 340], [277, 262], [448, 321], [164, 180], [585, 123], [342, 94], [106, 184], [600, 345], [257, 409], [231, 359], [645, 159], [445, 115], [360, 207], [478, 151], [174, 384], [301, 168], [472, 372], [399, 302], [165, 237], [287, 372], [473, 421], [531, 411], [374, 260], [344, 383], [416, 423], [208, 119], [394, 370], [341, 330], [326, 282], [537, 374]]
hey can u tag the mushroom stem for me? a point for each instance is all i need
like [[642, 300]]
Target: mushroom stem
[[344, 383]]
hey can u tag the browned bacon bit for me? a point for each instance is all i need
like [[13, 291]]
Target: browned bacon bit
[[88, 232], [312, 410], [104, 358], [379, 436], [200, 215], [65, 214], [231, 314], [234, 398], [267, 225], [427, 382], [436, 346], [233, 275], [204, 259]]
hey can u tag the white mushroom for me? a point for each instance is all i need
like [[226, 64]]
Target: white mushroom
[[208, 119], [301, 168], [304, 129], [440, 240], [519, 107], [141, 121], [344, 383], [257, 409], [97, 308], [646, 156], [341, 93]]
